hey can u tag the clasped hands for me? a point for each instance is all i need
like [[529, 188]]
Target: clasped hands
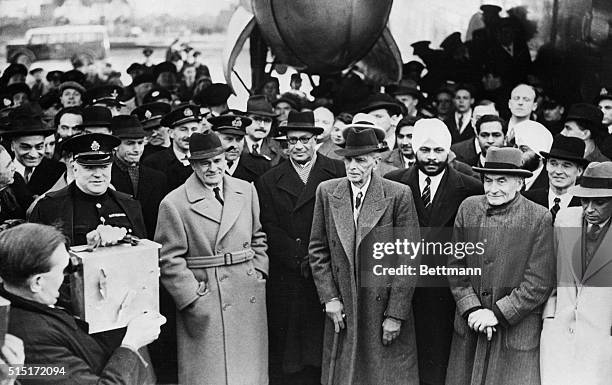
[[335, 311], [105, 235], [483, 321]]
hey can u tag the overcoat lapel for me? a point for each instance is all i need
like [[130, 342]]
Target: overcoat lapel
[[374, 205], [289, 180], [601, 258], [342, 215], [234, 200], [196, 197]]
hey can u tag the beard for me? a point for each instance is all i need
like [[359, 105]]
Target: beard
[[440, 166], [531, 163]]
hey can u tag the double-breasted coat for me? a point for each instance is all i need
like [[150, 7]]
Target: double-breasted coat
[[337, 256], [208, 260], [287, 206], [517, 278], [576, 343], [433, 303]]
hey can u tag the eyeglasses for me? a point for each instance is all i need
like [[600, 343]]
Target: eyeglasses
[[303, 139]]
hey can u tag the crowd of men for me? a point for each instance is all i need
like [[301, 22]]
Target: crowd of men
[[265, 213]]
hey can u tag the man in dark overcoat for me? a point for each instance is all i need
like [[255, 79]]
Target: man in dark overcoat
[[369, 335], [287, 198], [499, 307], [433, 303]]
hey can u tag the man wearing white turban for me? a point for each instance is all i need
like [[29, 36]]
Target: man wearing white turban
[[438, 190], [532, 138]]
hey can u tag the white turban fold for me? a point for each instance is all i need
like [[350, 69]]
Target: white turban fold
[[431, 133], [533, 135]]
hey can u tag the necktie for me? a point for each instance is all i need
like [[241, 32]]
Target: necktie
[[217, 192], [358, 200], [28, 173], [255, 148], [555, 209], [460, 123], [426, 196], [594, 232], [230, 163]]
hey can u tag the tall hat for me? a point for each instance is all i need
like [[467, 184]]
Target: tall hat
[[596, 182], [504, 161], [96, 116], [378, 101], [302, 121]]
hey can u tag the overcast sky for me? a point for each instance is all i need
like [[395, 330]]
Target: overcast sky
[[181, 7]]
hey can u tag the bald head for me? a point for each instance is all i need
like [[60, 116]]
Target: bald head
[[522, 101]]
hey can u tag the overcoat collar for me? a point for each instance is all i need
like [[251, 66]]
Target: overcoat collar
[[601, 258], [289, 181], [234, 199], [374, 205]]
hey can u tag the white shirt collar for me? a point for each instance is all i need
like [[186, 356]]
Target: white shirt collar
[[20, 168], [181, 156], [363, 190], [601, 225], [250, 142], [435, 182], [408, 162], [232, 170], [565, 199], [467, 117]]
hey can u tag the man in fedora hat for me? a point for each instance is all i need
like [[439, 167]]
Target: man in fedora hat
[[584, 122], [564, 164], [130, 176], [214, 98], [498, 318], [575, 344], [96, 119], [257, 140], [214, 265], [410, 97], [287, 199], [240, 164], [437, 190], [387, 111], [369, 334], [158, 136], [174, 160], [27, 139], [532, 138]]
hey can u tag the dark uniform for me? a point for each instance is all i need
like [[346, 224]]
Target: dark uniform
[[166, 161], [250, 167]]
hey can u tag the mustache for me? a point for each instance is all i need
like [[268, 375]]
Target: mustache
[[231, 148]]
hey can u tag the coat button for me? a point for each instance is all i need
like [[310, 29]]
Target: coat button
[[250, 272], [201, 288], [378, 297], [253, 300]]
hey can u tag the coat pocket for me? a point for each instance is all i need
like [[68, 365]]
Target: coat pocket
[[526, 334]]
